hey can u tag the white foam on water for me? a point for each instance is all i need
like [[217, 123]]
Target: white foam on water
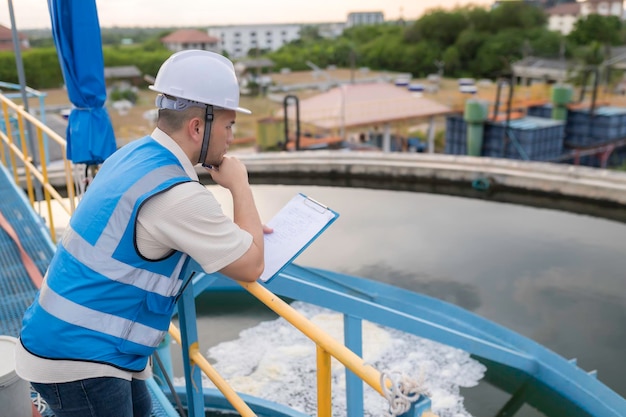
[[274, 361]]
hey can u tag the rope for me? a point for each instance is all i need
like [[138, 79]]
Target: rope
[[39, 405], [29, 264], [401, 392]]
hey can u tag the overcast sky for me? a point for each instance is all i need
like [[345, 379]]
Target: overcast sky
[[31, 14]]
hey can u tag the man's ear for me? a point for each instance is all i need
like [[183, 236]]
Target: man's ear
[[194, 126]]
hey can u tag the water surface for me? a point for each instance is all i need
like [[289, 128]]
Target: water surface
[[553, 276]]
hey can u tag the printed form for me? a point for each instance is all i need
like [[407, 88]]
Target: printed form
[[295, 226]]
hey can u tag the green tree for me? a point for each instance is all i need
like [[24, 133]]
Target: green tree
[[606, 30], [516, 15], [498, 52], [545, 42], [452, 60], [438, 26], [468, 44]]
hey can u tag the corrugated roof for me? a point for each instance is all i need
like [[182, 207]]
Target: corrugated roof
[[189, 36], [353, 105]]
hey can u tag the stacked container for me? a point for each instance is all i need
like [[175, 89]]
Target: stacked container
[[532, 138]]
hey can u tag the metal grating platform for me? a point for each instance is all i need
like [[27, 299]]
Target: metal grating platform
[[16, 289]]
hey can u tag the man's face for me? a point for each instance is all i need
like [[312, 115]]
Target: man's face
[[221, 136]]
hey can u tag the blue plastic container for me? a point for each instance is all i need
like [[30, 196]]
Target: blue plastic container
[[533, 138]]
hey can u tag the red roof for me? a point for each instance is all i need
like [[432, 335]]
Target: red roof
[[189, 36], [6, 38], [565, 9]]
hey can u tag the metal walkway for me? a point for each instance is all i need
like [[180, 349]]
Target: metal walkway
[[16, 288]]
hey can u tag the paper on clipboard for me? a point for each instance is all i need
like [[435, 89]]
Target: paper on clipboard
[[295, 226]]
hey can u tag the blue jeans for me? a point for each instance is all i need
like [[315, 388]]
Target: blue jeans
[[97, 397]]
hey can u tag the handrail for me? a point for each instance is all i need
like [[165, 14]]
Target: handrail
[[367, 373], [326, 346], [14, 138], [214, 376]]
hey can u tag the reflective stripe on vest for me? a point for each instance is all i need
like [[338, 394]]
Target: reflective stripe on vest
[[82, 316], [119, 271], [122, 213]]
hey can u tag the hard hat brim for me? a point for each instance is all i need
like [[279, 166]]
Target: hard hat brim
[[243, 110]]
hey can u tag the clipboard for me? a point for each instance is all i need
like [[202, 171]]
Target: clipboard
[[296, 226]]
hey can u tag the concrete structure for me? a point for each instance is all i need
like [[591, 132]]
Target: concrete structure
[[365, 18], [183, 39], [238, 40], [534, 69], [557, 183]]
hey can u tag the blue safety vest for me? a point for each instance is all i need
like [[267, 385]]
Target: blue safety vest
[[101, 300]]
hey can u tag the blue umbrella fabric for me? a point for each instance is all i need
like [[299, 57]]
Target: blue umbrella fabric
[[76, 33]]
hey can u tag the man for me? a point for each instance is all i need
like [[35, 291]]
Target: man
[[111, 287]]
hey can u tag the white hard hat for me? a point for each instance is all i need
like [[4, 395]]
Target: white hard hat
[[200, 76]]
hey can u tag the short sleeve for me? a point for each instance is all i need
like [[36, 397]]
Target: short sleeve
[[188, 218]]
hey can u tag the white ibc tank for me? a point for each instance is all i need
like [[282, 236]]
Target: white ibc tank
[[14, 391]]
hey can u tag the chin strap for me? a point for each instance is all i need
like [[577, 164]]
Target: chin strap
[[208, 119]]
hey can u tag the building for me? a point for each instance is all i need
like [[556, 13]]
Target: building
[[237, 41], [122, 75], [365, 18], [331, 30], [6, 39], [602, 7], [563, 17], [183, 39], [531, 70], [535, 69]]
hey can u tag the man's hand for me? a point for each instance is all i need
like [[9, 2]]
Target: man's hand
[[231, 173]]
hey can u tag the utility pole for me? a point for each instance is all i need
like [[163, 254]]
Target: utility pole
[[22, 81]]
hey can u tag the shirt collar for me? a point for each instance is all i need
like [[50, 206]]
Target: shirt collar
[[168, 143]]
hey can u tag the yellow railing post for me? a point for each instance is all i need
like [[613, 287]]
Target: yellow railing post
[[26, 158], [324, 397], [352, 361], [9, 140], [230, 394], [46, 180]]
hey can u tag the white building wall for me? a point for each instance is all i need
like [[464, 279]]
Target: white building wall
[[365, 18], [604, 8], [617, 9], [562, 23], [238, 40]]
